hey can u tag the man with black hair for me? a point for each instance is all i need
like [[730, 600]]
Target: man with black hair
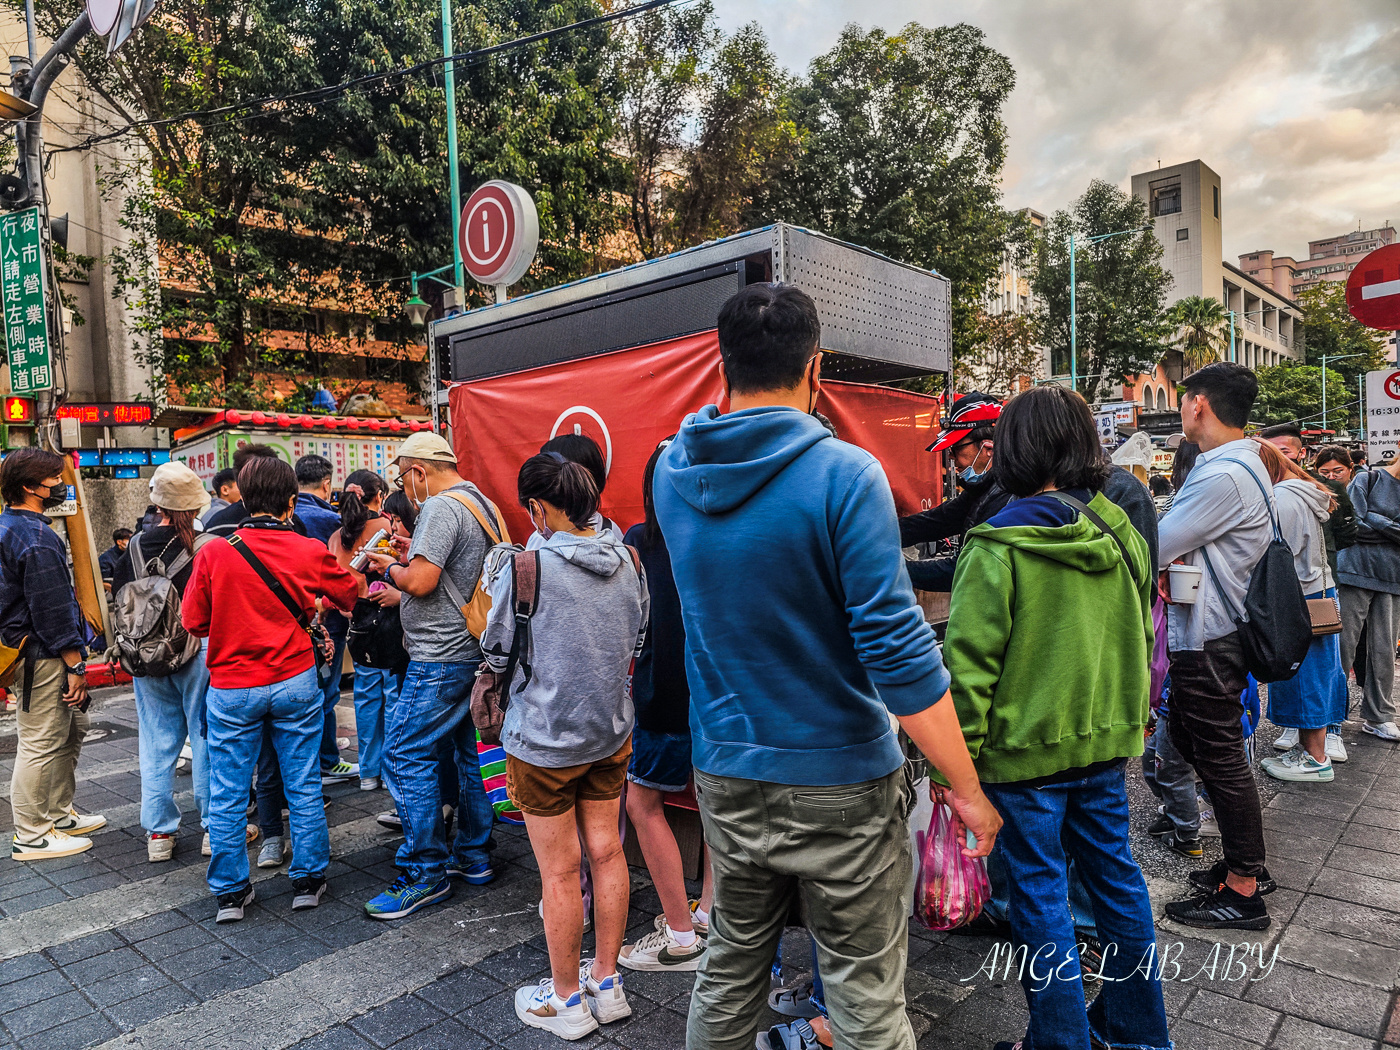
[[314, 497], [107, 560], [798, 667], [225, 486], [39, 611], [224, 522], [1221, 522]]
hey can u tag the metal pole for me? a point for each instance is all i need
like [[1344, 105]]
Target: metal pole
[[1361, 405], [29, 30], [1073, 334], [454, 178], [1232, 334], [1324, 393]]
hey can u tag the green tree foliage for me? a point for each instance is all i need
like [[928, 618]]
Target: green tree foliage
[[1202, 329], [323, 203], [1330, 329], [902, 150], [703, 125], [1293, 394], [1002, 359], [1121, 289]]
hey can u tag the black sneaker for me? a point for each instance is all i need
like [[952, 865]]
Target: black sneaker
[[309, 889], [1206, 881], [1161, 825], [1090, 955], [1223, 909], [231, 905], [1175, 841]]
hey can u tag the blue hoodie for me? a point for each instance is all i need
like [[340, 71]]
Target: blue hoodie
[[801, 626]]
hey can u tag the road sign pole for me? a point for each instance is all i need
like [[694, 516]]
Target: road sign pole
[[449, 84]]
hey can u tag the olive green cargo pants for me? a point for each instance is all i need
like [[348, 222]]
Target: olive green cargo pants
[[844, 853]]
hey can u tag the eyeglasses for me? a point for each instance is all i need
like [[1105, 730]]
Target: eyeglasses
[[1333, 473]]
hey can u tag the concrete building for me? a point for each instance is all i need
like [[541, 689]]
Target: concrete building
[[1187, 209]]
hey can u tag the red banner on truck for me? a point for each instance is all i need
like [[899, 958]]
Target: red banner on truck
[[628, 400]]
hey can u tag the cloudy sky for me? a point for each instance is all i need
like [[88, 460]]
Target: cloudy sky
[[1296, 103]]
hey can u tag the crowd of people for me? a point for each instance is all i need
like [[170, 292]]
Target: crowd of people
[[756, 638]]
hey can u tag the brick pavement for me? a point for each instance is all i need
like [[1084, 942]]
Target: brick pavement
[[105, 949]]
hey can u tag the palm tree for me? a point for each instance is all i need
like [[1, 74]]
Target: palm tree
[[1203, 329]]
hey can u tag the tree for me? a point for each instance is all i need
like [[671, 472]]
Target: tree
[[902, 150], [1202, 329], [703, 125], [1121, 291], [265, 220], [1330, 329], [1003, 359], [1293, 394]]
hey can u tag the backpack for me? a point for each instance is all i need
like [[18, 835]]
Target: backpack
[[151, 640], [476, 611], [1274, 627], [375, 638]]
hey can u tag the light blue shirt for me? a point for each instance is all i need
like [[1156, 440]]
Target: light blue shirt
[[1221, 506]]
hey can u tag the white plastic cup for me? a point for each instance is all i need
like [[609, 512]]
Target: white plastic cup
[[1184, 582]]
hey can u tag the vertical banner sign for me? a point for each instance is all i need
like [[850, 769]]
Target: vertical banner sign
[[22, 289], [1382, 416]]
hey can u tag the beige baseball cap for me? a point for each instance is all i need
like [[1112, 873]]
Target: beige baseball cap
[[427, 445]]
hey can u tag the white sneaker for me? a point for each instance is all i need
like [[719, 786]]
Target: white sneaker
[[75, 823], [539, 1007], [160, 848], [1336, 749], [659, 950], [54, 844], [186, 752], [1298, 766], [1209, 828], [370, 783], [1384, 730], [1287, 740], [606, 998]]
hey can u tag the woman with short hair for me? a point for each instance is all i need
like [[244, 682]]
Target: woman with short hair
[[1049, 638]]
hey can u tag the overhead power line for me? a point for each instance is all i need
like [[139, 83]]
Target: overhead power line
[[319, 95]]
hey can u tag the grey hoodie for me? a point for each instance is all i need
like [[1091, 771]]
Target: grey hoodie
[[592, 614], [1302, 512]]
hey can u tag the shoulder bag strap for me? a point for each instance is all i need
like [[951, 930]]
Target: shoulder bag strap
[[1229, 605], [1094, 517], [525, 581], [138, 563], [273, 583], [493, 532], [1268, 499]]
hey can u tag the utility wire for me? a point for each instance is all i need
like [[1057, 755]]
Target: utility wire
[[327, 93]]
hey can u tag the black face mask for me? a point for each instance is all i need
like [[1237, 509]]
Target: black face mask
[[56, 498]]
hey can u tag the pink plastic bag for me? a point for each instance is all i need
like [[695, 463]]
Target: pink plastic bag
[[951, 888]]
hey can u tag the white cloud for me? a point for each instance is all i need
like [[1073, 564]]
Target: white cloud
[[1295, 104]]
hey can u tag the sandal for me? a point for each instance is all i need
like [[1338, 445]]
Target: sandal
[[793, 1001], [797, 1035]]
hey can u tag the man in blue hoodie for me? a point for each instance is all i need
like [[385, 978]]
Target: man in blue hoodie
[[802, 639]]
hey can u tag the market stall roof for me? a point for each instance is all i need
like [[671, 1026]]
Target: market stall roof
[[178, 417], [881, 320], [234, 417]]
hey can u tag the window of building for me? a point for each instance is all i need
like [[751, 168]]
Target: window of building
[[1215, 194], [1183, 234], [1161, 399], [1165, 196]]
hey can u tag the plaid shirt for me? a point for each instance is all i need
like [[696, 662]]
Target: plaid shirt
[[36, 590]]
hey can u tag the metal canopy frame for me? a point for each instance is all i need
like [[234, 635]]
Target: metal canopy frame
[[882, 320]]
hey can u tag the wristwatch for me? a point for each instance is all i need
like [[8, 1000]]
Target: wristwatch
[[80, 670]]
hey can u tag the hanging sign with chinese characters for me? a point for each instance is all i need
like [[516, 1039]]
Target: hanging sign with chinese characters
[[22, 288]]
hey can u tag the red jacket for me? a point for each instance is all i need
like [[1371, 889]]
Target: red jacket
[[253, 640]]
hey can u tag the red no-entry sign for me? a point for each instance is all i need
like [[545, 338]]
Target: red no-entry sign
[[499, 232], [1373, 289]]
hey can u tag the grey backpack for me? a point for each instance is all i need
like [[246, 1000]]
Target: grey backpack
[[151, 640]]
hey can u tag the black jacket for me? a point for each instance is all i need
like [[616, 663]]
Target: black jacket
[[969, 508]]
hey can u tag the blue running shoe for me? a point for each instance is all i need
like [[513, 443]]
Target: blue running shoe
[[478, 874], [406, 896]]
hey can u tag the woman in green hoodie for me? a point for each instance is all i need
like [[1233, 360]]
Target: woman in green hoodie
[[1049, 638]]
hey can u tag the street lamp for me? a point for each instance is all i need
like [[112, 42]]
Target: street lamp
[[1073, 330], [1325, 359], [1243, 313], [449, 84], [416, 308]]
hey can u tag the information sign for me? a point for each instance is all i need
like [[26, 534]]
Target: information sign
[[22, 294]]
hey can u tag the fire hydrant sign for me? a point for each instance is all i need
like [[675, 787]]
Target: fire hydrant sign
[[1382, 416], [22, 293]]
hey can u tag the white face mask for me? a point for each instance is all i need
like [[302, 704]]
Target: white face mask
[[411, 478], [544, 530]]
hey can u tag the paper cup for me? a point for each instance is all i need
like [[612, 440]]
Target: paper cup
[[1184, 582]]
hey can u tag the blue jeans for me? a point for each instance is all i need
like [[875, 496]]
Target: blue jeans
[[168, 710], [432, 709], [271, 801], [1080, 908], [330, 750], [1089, 818], [374, 691], [236, 716]]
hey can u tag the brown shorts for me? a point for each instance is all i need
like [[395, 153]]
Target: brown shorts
[[544, 792]]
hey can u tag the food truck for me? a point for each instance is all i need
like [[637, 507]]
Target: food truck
[[624, 356]]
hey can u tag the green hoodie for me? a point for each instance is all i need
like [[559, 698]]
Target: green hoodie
[[1049, 640]]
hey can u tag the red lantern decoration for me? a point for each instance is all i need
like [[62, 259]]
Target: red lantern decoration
[[306, 421], [395, 425], [352, 424], [374, 424], [330, 422], [283, 420], [233, 417], [259, 418]]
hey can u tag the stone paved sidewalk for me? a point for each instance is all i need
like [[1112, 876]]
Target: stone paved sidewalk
[[105, 949]]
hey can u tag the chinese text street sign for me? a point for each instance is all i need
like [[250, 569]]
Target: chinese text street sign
[[1382, 416], [22, 288]]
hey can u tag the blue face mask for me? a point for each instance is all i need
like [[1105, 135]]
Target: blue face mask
[[970, 475]]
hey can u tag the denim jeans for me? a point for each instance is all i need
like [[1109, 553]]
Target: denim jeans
[[433, 707], [1172, 779], [374, 690], [293, 710], [1080, 907], [168, 710], [1089, 818], [338, 628], [271, 801]]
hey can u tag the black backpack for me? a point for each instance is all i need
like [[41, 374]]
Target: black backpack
[[375, 638], [1275, 628]]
